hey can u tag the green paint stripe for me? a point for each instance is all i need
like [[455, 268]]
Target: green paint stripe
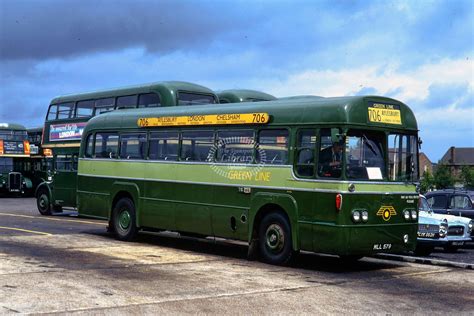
[[247, 176]]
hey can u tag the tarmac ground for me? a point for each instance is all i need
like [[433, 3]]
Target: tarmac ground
[[69, 265]]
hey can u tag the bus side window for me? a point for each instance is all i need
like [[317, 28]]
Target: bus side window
[[89, 146], [272, 147], [63, 162], [164, 146], [187, 98], [74, 162], [330, 156], [85, 108], [235, 146], [106, 145], [196, 146], [149, 100], [65, 110], [52, 113], [129, 101], [305, 149], [133, 146], [104, 105]]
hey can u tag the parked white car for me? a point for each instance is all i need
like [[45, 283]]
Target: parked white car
[[440, 230]]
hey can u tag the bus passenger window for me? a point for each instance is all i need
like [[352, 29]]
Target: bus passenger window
[[129, 101], [330, 156], [197, 145], [65, 110], [85, 108], [133, 146], [74, 162], [89, 146], [272, 147], [53, 111], [106, 145], [305, 158], [149, 100], [104, 105], [186, 98], [235, 146], [63, 162], [164, 146]]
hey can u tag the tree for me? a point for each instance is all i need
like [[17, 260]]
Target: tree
[[443, 178], [467, 176], [427, 182]]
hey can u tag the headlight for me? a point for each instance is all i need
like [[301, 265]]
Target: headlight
[[470, 226], [406, 214], [356, 216], [365, 216], [413, 214], [443, 229]]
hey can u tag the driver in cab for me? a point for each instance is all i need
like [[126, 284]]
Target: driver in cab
[[330, 160]]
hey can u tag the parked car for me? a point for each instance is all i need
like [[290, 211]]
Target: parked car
[[438, 230], [432, 232], [451, 201]]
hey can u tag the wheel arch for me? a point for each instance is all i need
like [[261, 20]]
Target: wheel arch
[[125, 190], [41, 186], [265, 203]]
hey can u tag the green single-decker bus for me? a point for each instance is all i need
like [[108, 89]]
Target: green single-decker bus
[[328, 175]]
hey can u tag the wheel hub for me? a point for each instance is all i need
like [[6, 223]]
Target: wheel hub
[[275, 238], [43, 201], [124, 219]]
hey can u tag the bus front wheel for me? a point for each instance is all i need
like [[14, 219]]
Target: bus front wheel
[[42, 202], [124, 220], [274, 239]]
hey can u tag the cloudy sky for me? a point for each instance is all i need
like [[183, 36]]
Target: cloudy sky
[[420, 52]]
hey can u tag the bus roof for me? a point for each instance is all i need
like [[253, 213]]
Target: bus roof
[[301, 97], [173, 86], [12, 127], [304, 111], [35, 130], [243, 95]]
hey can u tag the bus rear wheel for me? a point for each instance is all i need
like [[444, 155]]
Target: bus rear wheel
[[124, 220], [42, 202], [274, 239]]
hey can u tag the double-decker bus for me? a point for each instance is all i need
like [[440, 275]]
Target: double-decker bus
[[68, 115], [14, 146], [243, 95], [329, 175], [39, 165]]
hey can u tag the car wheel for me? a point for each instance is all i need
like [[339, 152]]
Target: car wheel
[[42, 202], [124, 220], [274, 239]]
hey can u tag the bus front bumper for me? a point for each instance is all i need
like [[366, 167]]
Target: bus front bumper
[[364, 239]]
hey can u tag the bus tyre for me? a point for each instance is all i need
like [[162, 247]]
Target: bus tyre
[[124, 220], [42, 202], [274, 239]]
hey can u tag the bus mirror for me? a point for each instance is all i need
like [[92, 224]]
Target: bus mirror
[[336, 135], [419, 142]]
